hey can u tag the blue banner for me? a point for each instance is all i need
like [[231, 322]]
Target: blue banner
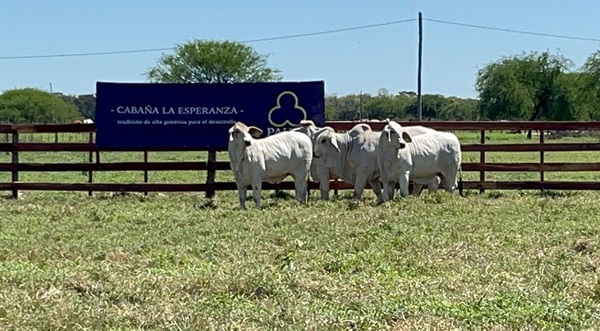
[[157, 115]]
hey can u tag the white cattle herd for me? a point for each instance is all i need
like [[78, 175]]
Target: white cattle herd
[[359, 156]]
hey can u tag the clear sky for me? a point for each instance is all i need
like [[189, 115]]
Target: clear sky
[[349, 61]]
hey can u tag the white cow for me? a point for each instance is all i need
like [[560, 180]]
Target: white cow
[[421, 158], [323, 174], [350, 156], [269, 159], [309, 128], [88, 121], [433, 183]]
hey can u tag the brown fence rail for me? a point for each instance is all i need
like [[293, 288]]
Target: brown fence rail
[[13, 146]]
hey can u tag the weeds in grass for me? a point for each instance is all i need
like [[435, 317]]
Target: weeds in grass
[[432, 262], [495, 261]]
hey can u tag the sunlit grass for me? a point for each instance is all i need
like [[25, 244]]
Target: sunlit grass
[[503, 260]]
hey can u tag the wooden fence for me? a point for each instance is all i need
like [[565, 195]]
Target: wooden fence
[[13, 146]]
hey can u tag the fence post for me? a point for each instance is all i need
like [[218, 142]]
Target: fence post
[[97, 157], [6, 137], [482, 161], [91, 159], [15, 162], [145, 169], [211, 165], [542, 159]]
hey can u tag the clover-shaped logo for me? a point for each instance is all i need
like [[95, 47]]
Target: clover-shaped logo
[[282, 112]]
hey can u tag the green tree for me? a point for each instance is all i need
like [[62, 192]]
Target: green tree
[[459, 109], [401, 106], [30, 105], [385, 106], [201, 61], [86, 103], [591, 68], [331, 104], [525, 87], [432, 105], [588, 82]]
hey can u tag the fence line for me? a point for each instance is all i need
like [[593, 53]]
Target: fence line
[[211, 165]]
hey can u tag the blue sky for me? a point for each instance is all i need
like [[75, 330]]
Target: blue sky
[[349, 62]]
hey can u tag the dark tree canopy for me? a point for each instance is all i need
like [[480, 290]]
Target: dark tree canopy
[[201, 61], [86, 103]]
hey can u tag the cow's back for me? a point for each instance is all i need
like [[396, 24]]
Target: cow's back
[[434, 151], [284, 153], [363, 153]]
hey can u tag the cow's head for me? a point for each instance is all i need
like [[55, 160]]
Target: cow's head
[[396, 136], [324, 142], [242, 134]]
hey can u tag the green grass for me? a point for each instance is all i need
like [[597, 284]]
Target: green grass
[[504, 260]]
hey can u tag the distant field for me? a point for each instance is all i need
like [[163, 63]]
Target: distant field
[[505, 260], [200, 177]]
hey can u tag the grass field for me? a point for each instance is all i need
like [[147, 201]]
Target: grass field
[[504, 260]]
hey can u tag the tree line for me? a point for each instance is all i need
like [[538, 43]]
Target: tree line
[[400, 106], [528, 86], [30, 105]]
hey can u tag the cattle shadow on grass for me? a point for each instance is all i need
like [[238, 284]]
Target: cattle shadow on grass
[[207, 204], [7, 197], [557, 194], [281, 194], [268, 201]]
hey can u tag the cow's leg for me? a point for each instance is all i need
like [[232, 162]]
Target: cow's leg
[[323, 178], [376, 187], [449, 179], [417, 189], [324, 188], [242, 190], [359, 185], [301, 185], [388, 190], [403, 181], [256, 193], [392, 190], [434, 184]]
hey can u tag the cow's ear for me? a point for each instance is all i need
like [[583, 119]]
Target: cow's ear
[[406, 137], [306, 123], [388, 132], [334, 143], [254, 131]]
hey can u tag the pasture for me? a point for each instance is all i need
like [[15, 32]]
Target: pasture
[[501, 260]]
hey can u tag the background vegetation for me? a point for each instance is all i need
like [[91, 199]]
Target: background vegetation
[[497, 261], [504, 260], [529, 86]]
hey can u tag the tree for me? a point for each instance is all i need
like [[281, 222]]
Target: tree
[[459, 109], [432, 105], [31, 105], [386, 106], [401, 106], [589, 86], [86, 103], [201, 61], [346, 108], [592, 72], [525, 87]]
